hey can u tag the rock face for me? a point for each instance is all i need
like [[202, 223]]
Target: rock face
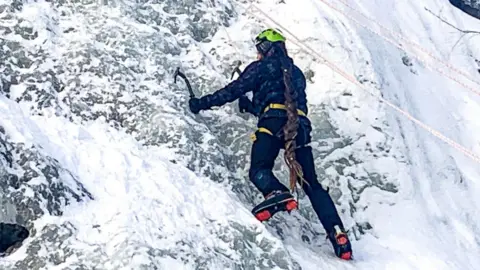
[[471, 7], [114, 62], [32, 185], [12, 236]]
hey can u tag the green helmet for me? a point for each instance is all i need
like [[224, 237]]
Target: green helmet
[[266, 38]]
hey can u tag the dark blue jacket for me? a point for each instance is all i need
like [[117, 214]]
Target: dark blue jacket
[[265, 79]]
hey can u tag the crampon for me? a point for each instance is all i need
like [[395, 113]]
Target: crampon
[[274, 203], [341, 243]]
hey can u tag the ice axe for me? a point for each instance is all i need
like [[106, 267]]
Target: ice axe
[[187, 82], [237, 69]]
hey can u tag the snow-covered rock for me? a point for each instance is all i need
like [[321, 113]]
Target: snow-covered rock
[[102, 162]]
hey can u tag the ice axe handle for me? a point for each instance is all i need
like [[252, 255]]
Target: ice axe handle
[[237, 70], [179, 73]]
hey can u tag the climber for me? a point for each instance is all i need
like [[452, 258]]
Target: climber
[[279, 101]]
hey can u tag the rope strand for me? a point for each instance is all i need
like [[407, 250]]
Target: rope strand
[[352, 79], [399, 46], [416, 45]]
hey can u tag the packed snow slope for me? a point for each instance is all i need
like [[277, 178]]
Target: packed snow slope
[[104, 164]]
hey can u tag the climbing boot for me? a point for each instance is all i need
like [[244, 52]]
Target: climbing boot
[[274, 202], [341, 243]]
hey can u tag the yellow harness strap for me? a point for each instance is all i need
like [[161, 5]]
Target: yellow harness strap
[[273, 106], [261, 129], [264, 130], [282, 107]]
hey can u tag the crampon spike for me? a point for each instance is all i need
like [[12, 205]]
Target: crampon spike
[[342, 240], [291, 205], [346, 256], [263, 216]]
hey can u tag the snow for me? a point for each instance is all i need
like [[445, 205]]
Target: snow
[[138, 192], [419, 196], [420, 225]]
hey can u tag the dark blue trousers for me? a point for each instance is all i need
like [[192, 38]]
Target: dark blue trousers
[[265, 150]]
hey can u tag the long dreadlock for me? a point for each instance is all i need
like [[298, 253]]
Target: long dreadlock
[[290, 129]]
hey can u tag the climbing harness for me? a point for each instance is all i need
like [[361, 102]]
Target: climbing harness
[[282, 107]]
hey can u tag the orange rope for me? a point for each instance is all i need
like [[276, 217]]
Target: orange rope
[[396, 44], [352, 79]]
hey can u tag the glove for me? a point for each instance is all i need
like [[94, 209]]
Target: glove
[[244, 104], [194, 104]]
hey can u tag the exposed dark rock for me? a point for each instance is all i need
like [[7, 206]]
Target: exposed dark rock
[[11, 237], [471, 7]]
